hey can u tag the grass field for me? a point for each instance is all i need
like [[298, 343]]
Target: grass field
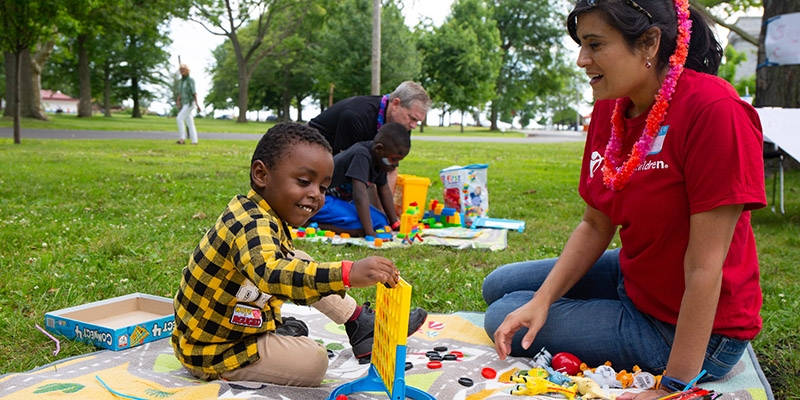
[[84, 220], [121, 122]]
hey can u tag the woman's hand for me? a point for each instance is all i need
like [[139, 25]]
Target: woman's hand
[[531, 316]]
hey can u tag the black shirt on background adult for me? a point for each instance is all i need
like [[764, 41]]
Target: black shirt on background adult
[[349, 121]]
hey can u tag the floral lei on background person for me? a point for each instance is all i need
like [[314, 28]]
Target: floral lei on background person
[[616, 173], [382, 111]]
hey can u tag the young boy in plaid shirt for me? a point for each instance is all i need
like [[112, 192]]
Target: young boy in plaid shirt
[[227, 310]]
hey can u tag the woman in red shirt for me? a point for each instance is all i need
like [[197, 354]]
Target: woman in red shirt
[[673, 161]]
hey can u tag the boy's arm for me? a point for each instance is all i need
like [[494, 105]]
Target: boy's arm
[[387, 201], [361, 201]]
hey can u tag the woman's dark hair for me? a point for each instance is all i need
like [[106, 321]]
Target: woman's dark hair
[[705, 52], [276, 143]]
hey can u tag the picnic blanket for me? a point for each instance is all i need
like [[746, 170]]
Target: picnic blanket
[[151, 371], [457, 237]]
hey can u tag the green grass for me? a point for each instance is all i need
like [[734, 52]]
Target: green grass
[[84, 220], [154, 123]]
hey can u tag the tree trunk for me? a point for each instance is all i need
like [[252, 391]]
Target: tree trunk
[[242, 99], [493, 117], [776, 86], [85, 101], [299, 101], [107, 90], [286, 105], [38, 60], [10, 60], [17, 68], [28, 108], [137, 111], [28, 95]]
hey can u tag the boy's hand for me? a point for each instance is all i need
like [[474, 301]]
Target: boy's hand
[[373, 270]]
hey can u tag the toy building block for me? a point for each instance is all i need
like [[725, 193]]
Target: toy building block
[[440, 216]]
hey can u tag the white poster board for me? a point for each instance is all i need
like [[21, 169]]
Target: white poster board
[[780, 127], [782, 43]]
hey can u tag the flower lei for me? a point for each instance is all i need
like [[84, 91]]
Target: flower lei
[[617, 173], [382, 111]]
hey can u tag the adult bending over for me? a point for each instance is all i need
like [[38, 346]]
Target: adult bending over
[[673, 158], [357, 119]]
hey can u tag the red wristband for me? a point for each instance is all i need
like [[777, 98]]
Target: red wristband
[[396, 225], [346, 265]]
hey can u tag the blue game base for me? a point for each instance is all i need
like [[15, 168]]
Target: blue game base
[[374, 383]]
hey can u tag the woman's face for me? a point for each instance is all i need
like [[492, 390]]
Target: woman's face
[[613, 68]]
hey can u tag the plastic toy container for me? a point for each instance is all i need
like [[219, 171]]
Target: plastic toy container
[[410, 189]]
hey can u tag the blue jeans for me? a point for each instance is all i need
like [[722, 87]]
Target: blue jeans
[[595, 320]]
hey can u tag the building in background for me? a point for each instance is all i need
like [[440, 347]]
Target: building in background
[[54, 102]]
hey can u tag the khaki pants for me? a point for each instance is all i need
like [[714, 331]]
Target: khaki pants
[[295, 361]]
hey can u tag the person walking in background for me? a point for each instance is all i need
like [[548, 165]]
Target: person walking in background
[[187, 94], [673, 165]]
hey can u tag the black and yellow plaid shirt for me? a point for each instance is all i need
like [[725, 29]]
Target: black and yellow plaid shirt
[[214, 332]]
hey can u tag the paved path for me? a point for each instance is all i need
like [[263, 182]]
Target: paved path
[[532, 136]]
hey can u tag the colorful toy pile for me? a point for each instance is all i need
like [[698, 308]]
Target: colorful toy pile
[[563, 375], [439, 216]]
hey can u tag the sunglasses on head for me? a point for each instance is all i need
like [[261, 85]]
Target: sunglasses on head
[[631, 3]]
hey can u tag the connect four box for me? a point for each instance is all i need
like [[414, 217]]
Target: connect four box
[[118, 323]]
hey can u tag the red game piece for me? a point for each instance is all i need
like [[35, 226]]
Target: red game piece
[[566, 363], [488, 373], [434, 364]]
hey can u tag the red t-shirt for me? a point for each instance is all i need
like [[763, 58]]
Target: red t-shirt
[[708, 154]]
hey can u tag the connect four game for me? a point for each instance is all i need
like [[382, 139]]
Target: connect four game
[[387, 370]]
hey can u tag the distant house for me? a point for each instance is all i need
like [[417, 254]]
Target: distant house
[[55, 101]]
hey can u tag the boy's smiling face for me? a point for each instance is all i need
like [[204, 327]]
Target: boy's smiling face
[[295, 187]]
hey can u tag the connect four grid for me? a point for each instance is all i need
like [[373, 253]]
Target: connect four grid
[[391, 330]]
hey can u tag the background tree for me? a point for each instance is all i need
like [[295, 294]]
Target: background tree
[[86, 22], [144, 61], [22, 25], [31, 63], [461, 58], [344, 53], [91, 24], [224, 78], [727, 7], [2, 77], [283, 77], [532, 35], [226, 18], [728, 69]]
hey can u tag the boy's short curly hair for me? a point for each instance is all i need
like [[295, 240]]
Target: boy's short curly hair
[[279, 139]]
